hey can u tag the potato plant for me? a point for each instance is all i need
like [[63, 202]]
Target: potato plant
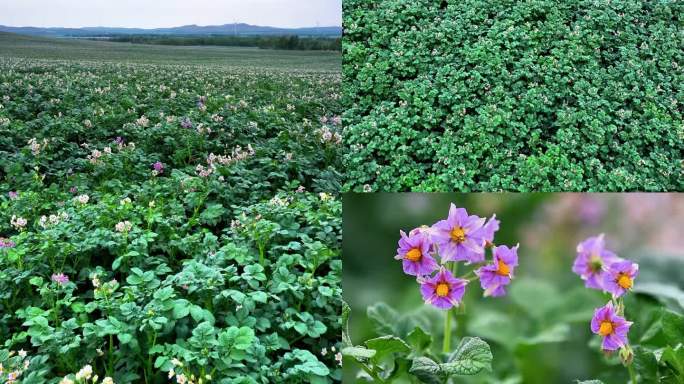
[[165, 223], [489, 95]]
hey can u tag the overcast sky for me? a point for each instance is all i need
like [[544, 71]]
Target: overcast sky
[[169, 13]]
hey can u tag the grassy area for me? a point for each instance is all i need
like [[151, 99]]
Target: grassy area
[[29, 47]]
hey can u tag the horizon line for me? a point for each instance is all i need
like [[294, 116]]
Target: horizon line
[[176, 26]]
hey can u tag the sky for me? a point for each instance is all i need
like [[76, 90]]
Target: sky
[[169, 13]]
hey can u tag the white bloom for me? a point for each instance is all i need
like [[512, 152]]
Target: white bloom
[[107, 380], [18, 222], [83, 199], [123, 226], [85, 373], [66, 380]]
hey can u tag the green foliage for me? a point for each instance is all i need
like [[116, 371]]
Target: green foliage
[[230, 270], [488, 95], [402, 355]]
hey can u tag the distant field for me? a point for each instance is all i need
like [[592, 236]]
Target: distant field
[[18, 46]]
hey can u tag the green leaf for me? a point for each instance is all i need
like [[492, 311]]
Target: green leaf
[[556, 334], [674, 359], [212, 214], [666, 293], [535, 297], [419, 339], [124, 338], [470, 357], [387, 345], [383, 317], [646, 364], [673, 325], [426, 370], [358, 353], [181, 308]]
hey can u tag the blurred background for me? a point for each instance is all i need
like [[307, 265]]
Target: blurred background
[[539, 332]]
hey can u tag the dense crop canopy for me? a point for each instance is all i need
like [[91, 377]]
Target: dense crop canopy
[[486, 95]]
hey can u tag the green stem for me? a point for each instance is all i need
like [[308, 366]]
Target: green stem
[[447, 332], [632, 374], [372, 373]]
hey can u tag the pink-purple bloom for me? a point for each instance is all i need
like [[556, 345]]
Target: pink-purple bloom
[[593, 260], [414, 251], [60, 278], [462, 237], [6, 243], [158, 166], [443, 290], [612, 327], [186, 123], [13, 195], [494, 277], [619, 278]]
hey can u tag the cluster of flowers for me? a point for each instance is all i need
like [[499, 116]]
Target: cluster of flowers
[[14, 371], [85, 375], [83, 199], [201, 103], [338, 355], [183, 376], [46, 221], [143, 121], [103, 289], [36, 147], [186, 123], [213, 161], [157, 168], [123, 226], [335, 120], [461, 237], [328, 136], [6, 243], [602, 269], [18, 222], [59, 278]]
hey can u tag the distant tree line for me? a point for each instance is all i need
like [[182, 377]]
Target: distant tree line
[[265, 42]]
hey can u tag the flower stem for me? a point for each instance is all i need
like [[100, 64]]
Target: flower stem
[[447, 332], [632, 374]]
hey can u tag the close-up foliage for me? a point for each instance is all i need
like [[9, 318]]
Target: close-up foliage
[[551, 288], [490, 95], [168, 223]]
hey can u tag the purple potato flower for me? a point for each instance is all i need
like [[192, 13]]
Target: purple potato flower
[[443, 290], [6, 243], [611, 327], [186, 123], [60, 278], [414, 251], [593, 260], [619, 277], [494, 277], [462, 237], [13, 195], [158, 166]]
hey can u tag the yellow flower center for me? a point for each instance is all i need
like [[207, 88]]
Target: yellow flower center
[[504, 269], [414, 254], [606, 328], [624, 281], [458, 235], [442, 289]]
